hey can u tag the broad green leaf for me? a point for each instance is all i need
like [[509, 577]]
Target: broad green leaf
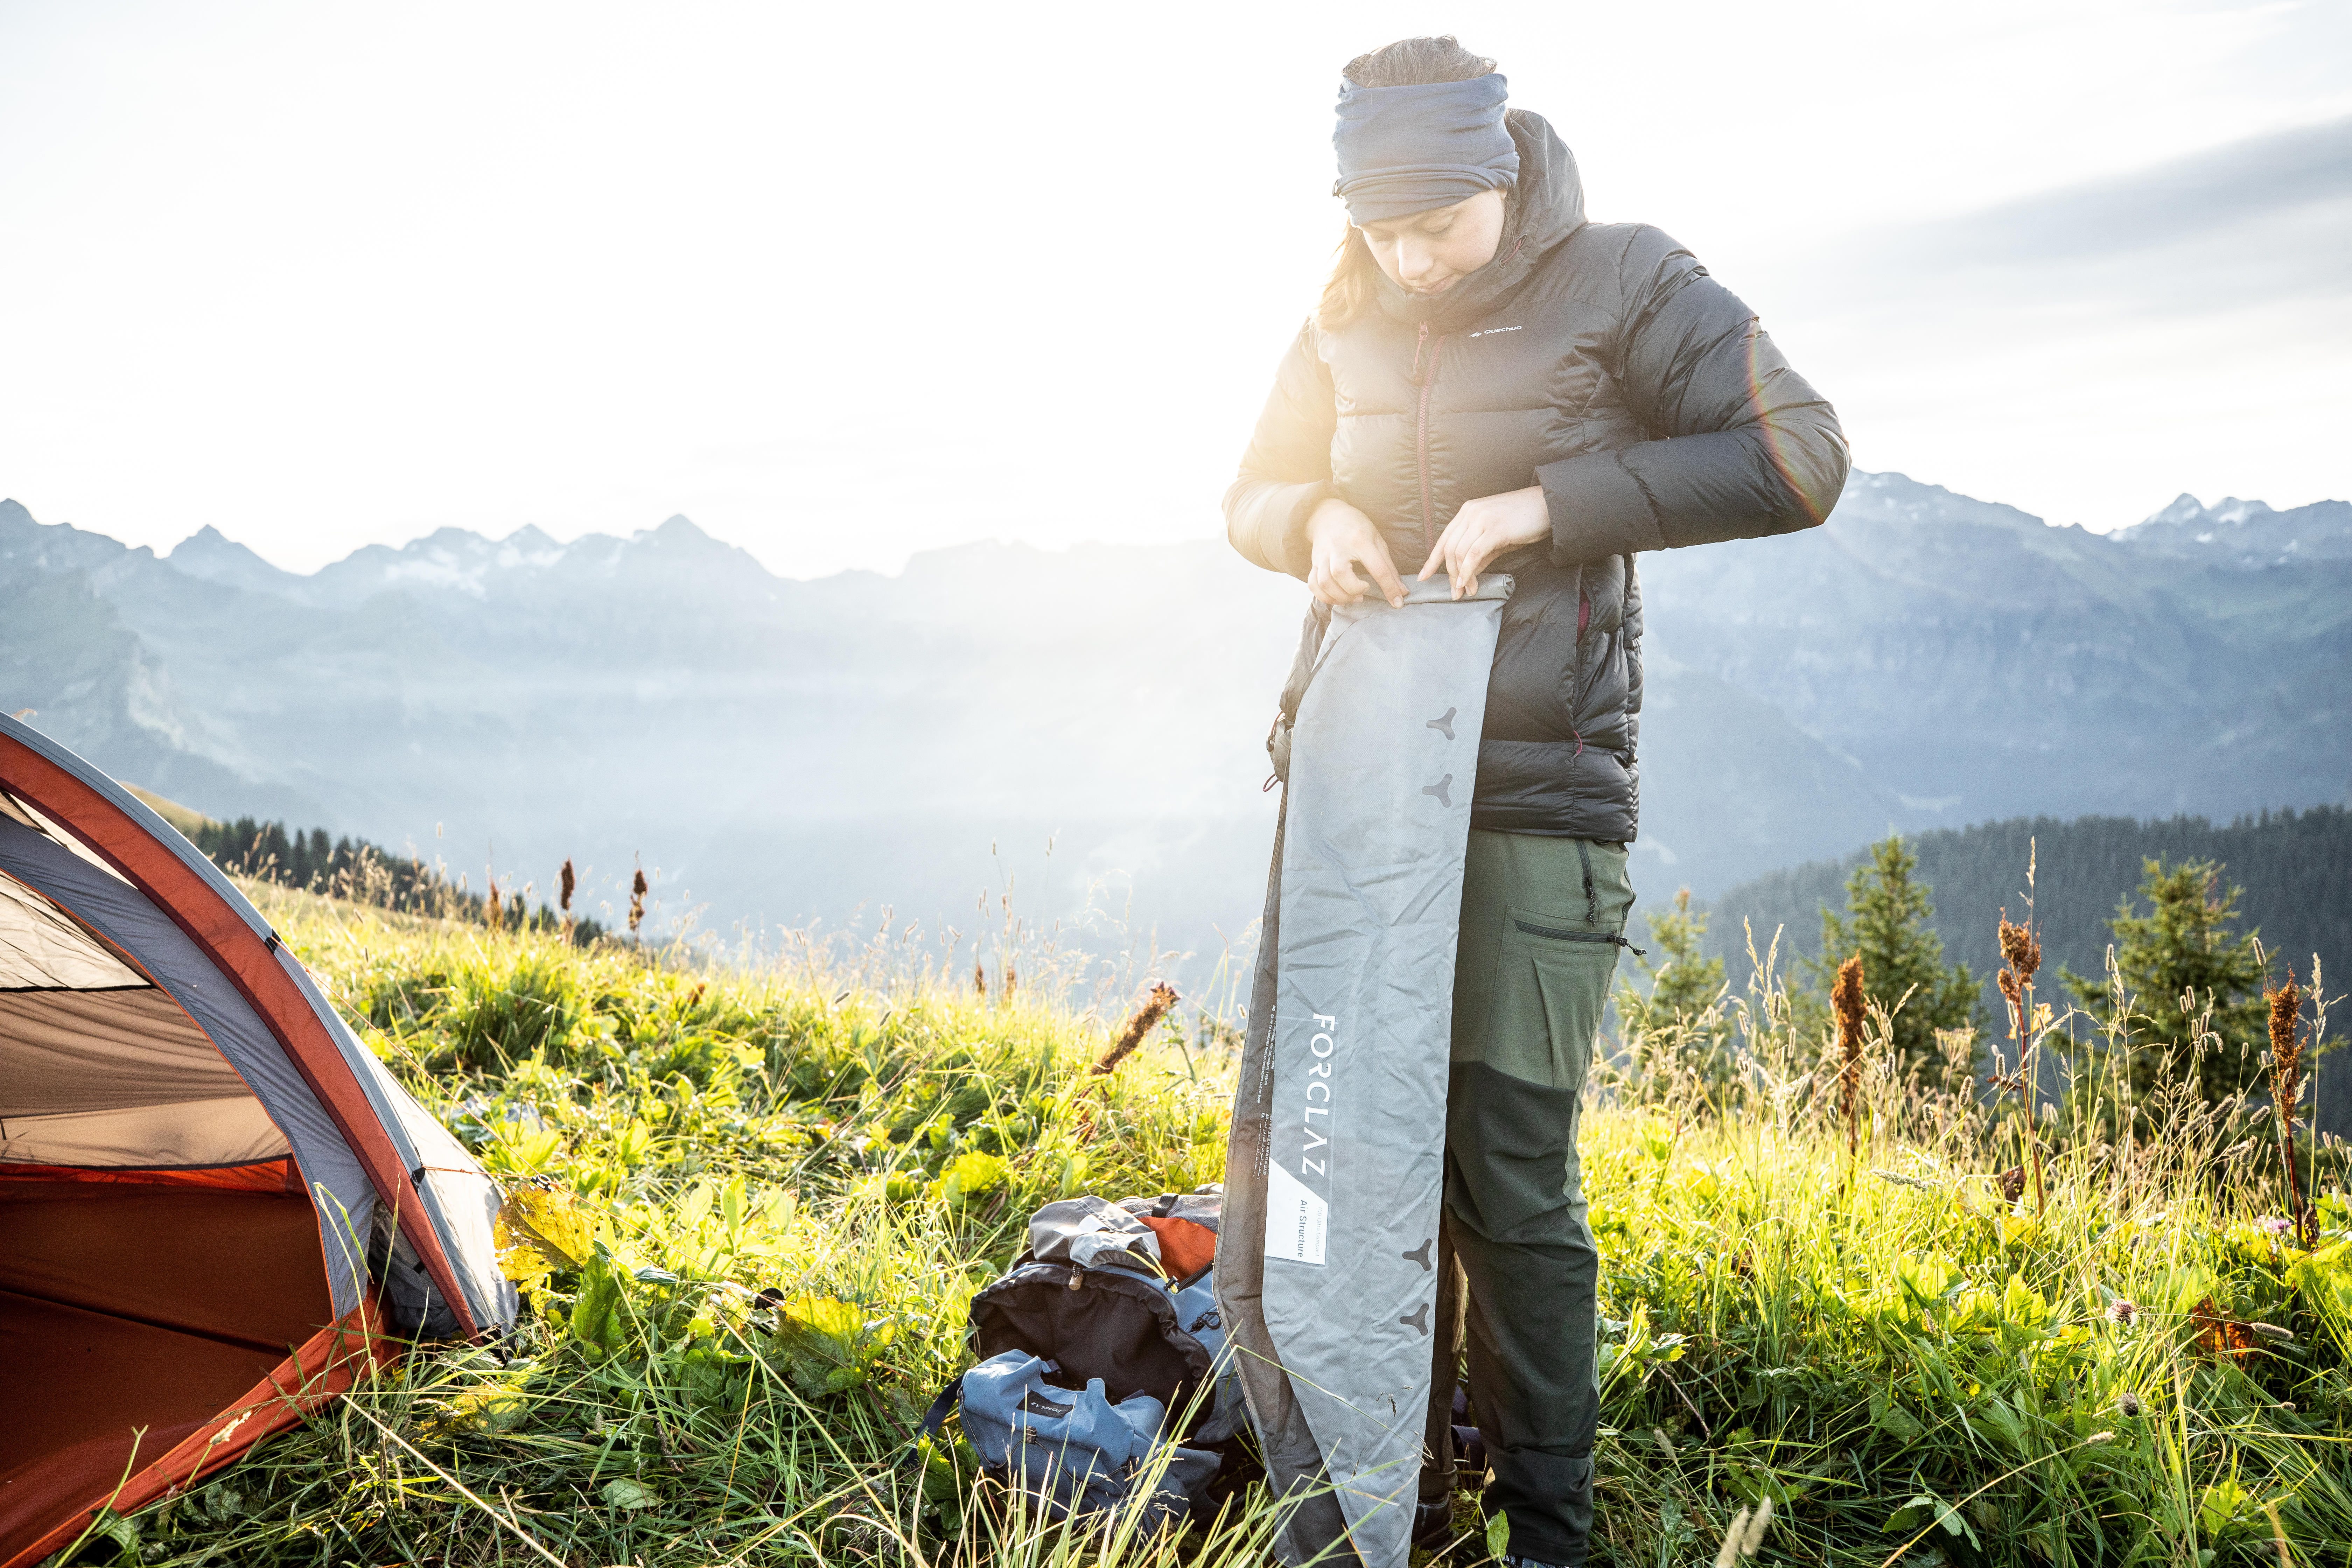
[[628, 1494], [972, 1175]]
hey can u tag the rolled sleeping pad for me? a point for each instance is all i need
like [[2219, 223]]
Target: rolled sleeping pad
[[1336, 1158]]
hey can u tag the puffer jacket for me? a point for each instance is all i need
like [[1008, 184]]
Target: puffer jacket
[[1599, 361]]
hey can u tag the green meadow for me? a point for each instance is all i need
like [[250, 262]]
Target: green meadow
[[749, 1205]]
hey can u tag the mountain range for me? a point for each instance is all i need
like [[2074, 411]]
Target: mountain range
[[1075, 737]]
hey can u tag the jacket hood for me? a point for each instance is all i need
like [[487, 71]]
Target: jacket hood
[[1549, 208]]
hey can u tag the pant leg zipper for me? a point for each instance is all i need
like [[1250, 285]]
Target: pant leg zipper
[[1613, 939]]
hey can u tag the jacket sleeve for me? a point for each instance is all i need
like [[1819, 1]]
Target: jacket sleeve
[[1742, 446], [1287, 470]]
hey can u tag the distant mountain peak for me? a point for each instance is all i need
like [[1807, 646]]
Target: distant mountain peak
[[678, 529], [213, 556], [2242, 532], [2230, 510]]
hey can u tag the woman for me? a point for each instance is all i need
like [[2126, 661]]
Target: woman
[[1491, 382]]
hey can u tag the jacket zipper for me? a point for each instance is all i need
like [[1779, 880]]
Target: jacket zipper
[[1421, 418], [1421, 430]]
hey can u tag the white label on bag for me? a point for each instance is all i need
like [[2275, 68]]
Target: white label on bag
[[1294, 1219]]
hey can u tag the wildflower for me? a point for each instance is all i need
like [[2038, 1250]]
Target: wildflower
[[1846, 999], [2097, 1437], [2273, 1331], [1733, 1537], [566, 881], [2275, 1224], [1155, 1007], [2128, 1404], [2219, 1334], [2022, 950], [2286, 1085], [638, 889], [2122, 1311]]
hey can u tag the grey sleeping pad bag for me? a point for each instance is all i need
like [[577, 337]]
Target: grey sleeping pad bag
[[1339, 1137]]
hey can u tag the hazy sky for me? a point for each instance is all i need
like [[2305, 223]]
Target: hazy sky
[[847, 281]]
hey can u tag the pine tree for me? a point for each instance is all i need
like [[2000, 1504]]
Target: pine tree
[[1684, 987], [2184, 945], [1890, 923]]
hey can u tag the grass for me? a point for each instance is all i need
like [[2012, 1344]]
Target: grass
[[751, 1208]]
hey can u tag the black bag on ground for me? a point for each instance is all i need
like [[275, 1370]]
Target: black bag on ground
[[1103, 1379]]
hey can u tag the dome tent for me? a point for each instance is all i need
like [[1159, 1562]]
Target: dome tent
[[216, 1208]]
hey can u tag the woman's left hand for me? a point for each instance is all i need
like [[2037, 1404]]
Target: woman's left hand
[[1485, 528]]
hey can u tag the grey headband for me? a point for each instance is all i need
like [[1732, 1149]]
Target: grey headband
[[1404, 149]]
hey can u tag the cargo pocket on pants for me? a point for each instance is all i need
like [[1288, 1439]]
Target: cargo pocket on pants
[[1551, 985]]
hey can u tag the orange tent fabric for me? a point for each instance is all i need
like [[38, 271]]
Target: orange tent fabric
[[216, 1208], [55, 1492], [75, 801], [162, 1306]]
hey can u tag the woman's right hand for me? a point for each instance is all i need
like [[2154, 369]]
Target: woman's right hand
[[1343, 539]]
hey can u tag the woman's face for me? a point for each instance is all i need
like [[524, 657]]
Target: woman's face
[[1428, 253]]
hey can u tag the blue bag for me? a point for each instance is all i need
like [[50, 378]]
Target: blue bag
[[1102, 1382], [1076, 1451]]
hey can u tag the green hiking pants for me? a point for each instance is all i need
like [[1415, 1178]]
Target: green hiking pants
[[1542, 919]]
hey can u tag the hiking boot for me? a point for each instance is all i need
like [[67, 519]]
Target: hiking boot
[[1432, 1524]]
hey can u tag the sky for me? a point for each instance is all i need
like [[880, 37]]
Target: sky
[[849, 282]]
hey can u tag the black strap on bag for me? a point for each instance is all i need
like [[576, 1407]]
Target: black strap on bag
[[935, 1420]]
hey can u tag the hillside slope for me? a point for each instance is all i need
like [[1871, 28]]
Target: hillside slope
[[2295, 869], [751, 1212]]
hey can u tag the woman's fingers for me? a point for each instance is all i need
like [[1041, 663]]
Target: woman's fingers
[[1441, 552], [1483, 528], [1462, 550], [1335, 582], [1470, 560], [1351, 559]]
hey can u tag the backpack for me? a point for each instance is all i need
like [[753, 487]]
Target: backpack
[[1103, 1378]]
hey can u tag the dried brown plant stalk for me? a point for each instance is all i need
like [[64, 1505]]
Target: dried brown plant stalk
[[980, 978], [1147, 1018], [1846, 1002], [638, 889], [2021, 952], [494, 909], [2286, 1087]]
